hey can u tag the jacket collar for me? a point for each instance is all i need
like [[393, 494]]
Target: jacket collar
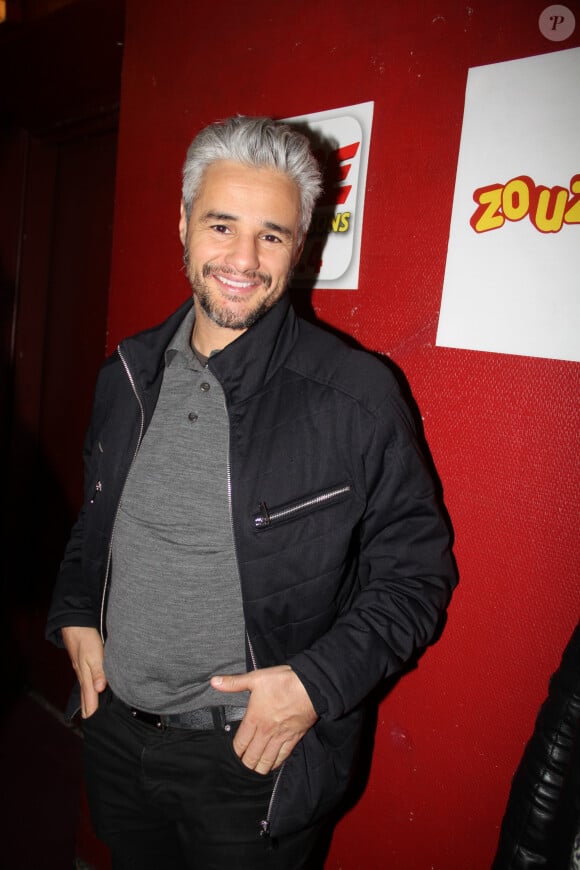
[[242, 367], [246, 364], [145, 351]]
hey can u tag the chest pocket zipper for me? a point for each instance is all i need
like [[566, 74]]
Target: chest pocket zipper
[[267, 516]]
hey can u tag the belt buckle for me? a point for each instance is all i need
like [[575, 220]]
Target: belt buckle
[[150, 718]]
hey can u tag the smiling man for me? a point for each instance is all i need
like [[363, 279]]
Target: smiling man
[[259, 547], [239, 258]]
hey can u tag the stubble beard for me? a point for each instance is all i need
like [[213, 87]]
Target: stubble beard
[[219, 314]]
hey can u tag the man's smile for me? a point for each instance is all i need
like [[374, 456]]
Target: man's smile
[[236, 283]]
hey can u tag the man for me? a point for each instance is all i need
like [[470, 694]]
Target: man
[[259, 546]]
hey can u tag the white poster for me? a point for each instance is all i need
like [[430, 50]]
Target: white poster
[[331, 255], [512, 278]]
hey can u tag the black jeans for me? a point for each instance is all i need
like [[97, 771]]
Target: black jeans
[[176, 799]]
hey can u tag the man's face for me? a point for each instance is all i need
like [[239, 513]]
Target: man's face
[[241, 242]]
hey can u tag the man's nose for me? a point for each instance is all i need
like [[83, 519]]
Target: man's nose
[[243, 253]]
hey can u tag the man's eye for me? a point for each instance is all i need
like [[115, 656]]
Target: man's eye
[[271, 238], [220, 228]]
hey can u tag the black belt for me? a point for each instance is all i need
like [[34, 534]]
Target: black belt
[[204, 719]]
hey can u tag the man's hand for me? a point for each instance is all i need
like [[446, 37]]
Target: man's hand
[[85, 649], [279, 714]]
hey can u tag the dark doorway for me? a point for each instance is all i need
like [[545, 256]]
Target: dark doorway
[[61, 70], [60, 64]]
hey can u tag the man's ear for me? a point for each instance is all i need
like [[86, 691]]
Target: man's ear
[[182, 223]]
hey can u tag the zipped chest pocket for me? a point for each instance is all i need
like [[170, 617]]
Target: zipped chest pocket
[[269, 516]]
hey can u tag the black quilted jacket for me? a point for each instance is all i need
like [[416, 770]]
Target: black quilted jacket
[[343, 553]]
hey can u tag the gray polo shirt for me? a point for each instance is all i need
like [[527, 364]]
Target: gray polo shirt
[[175, 615]]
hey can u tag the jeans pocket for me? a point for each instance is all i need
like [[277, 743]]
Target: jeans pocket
[[237, 763]]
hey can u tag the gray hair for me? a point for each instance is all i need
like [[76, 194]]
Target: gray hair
[[259, 142]]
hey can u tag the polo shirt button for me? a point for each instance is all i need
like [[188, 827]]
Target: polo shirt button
[[204, 387], [192, 417]]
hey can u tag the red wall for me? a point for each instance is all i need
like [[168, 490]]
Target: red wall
[[501, 428]]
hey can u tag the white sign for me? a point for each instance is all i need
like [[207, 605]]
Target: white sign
[[341, 140], [512, 279]]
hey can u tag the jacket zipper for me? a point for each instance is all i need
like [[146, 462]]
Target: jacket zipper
[[267, 516], [137, 446], [262, 521], [264, 823]]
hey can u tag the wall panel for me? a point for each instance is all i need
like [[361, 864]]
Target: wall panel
[[502, 429]]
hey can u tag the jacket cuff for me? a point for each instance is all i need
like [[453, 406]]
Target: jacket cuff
[[316, 697]]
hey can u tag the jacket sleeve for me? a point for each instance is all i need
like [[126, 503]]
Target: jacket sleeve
[[406, 574], [75, 600]]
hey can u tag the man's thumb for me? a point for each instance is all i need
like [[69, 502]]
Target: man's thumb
[[230, 683], [99, 680]]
